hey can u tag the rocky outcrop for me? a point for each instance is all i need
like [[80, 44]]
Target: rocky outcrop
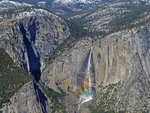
[[118, 64], [31, 36], [29, 99], [121, 69], [122, 57]]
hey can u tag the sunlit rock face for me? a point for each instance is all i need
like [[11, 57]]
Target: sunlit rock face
[[120, 57], [33, 36], [76, 75], [86, 79]]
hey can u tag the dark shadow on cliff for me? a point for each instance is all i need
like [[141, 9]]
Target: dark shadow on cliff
[[40, 97], [32, 30], [34, 61]]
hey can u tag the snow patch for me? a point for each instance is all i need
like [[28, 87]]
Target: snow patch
[[76, 1], [35, 11], [17, 4]]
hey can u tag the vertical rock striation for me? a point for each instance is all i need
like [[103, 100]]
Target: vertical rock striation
[[122, 57]]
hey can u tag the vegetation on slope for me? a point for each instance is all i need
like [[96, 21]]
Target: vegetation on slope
[[78, 32], [66, 45], [105, 103], [77, 28], [55, 97], [127, 21], [107, 99], [11, 13], [12, 78]]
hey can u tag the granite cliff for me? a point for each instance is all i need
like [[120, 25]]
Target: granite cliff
[[105, 70], [30, 35], [120, 58]]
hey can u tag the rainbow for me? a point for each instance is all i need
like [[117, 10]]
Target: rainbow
[[85, 88]]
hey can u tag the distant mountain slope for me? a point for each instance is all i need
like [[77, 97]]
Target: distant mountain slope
[[101, 54], [70, 7], [114, 17], [11, 5], [67, 6]]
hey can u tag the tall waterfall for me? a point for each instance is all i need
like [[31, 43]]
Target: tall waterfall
[[88, 92]]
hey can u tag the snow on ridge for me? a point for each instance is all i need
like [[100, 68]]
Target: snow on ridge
[[35, 11], [76, 1], [5, 2], [41, 3]]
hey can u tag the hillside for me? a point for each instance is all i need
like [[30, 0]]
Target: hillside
[[30, 35], [73, 7], [115, 16], [12, 78], [86, 61]]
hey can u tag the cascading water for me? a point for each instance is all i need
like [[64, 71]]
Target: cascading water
[[87, 91]]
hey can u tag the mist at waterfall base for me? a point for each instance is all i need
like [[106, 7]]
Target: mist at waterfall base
[[86, 81]]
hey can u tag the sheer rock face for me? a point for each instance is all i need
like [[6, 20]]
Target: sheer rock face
[[31, 36], [28, 100], [119, 52], [120, 57]]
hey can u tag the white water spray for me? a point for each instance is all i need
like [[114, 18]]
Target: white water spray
[[89, 66], [87, 95]]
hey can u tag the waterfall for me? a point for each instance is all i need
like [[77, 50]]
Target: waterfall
[[89, 66], [88, 92]]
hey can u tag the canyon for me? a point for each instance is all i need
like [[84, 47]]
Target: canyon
[[100, 67]]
